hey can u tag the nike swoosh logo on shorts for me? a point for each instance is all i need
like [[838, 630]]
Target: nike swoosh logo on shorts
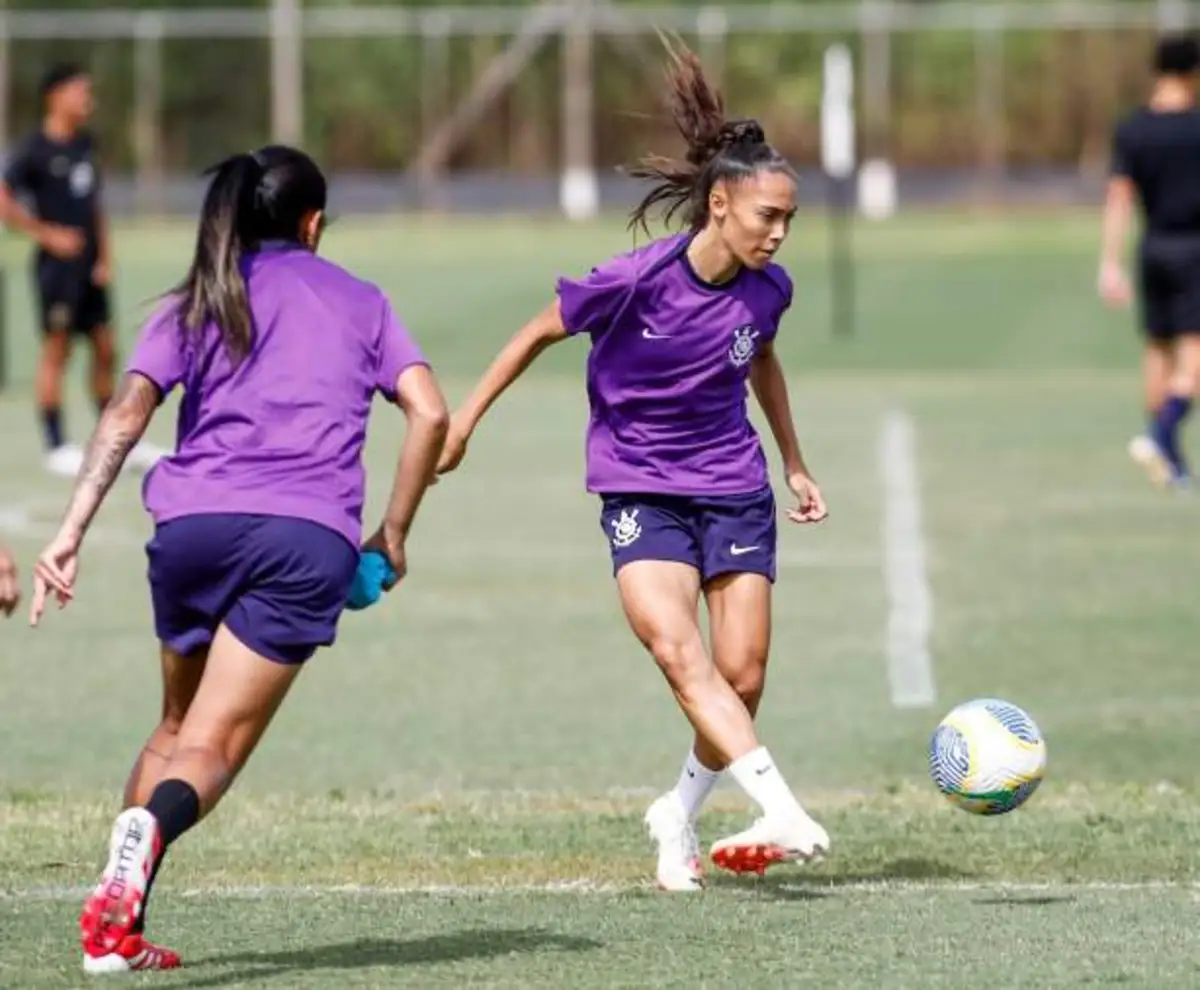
[[651, 335], [738, 551]]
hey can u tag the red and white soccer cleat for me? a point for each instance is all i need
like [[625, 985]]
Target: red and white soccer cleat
[[768, 842], [111, 912], [132, 954]]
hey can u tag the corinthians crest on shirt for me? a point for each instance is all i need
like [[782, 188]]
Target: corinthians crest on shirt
[[741, 351]]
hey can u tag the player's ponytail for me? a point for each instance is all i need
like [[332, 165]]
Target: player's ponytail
[[214, 289], [716, 148], [252, 198]]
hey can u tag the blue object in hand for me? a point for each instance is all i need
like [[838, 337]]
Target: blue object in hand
[[375, 574]]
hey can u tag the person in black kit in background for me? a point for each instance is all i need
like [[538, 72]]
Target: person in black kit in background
[[1156, 161], [54, 169]]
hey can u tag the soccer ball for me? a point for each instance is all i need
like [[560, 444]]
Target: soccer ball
[[987, 757]]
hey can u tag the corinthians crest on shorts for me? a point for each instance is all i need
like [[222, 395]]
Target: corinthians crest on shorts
[[626, 529], [741, 351]]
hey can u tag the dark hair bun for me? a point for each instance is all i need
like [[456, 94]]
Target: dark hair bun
[[742, 132]]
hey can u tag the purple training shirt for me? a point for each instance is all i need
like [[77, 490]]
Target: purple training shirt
[[282, 433], [668, 369]]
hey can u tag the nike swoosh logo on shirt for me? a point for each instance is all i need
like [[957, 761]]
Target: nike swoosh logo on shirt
[[738, 551], [651, 335]]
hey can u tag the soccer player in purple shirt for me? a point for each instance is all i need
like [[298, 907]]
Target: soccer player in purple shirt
[[258, 514], [678, 330]]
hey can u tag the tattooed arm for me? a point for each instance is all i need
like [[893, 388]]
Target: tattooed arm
[[121, 426]]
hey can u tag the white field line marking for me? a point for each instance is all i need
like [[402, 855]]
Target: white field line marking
[[910, 602], [19, 519], [268, 892]]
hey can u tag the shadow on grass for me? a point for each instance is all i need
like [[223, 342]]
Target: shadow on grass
[[1027, 900], [802, 883], [475, 943]]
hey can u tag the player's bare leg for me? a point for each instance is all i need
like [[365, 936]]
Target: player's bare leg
[[238, 694], [62, 458], [1161, 452], [181, 679], [661, 599], [1158, 364], [739, 607]]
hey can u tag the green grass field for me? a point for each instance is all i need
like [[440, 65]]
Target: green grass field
[[452, 795]]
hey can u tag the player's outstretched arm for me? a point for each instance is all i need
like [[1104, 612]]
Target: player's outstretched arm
[[121, 426], [770, 388], [518, 354], [418, 394]]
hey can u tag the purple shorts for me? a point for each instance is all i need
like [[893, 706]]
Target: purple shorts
[[278, 583], [716, 534]]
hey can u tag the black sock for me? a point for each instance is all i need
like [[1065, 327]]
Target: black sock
[[52, 426], [175, 805], [139, 926]]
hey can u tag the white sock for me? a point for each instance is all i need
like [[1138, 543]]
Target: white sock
[[696, 782], [758, 776]]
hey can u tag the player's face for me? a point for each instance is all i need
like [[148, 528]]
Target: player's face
[[75, 99], [754, 216]]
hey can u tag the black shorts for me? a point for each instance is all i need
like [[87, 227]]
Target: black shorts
[[1169, 285], [67, 298]]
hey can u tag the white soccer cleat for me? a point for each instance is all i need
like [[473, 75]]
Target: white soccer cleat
[[65, 461], [771, 841], [1146, 454], [144, 456], [678, 848]]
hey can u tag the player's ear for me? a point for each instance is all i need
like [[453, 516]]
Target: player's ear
[[718, 202], [311, 228]]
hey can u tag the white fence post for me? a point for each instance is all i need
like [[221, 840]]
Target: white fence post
[[287, 72]]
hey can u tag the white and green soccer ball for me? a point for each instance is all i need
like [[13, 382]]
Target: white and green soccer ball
[[987, 757]]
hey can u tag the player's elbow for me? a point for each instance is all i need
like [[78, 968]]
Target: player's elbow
[[432, 413]]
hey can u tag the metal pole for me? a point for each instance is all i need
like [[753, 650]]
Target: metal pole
[[989, 101], [287, 72], [5, 77], [838, 157], [148, 113], [877, 75], [580, 194], [712, 26]]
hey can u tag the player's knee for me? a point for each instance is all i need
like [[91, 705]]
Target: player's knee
[[680, 658], [104, 351], [748, 682], [55, 351]]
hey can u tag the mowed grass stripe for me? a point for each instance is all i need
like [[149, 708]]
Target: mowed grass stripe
[[1109, 834]]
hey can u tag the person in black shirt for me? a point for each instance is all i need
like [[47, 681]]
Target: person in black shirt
[[54, 170], [1156, 163]]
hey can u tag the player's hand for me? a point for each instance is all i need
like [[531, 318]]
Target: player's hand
[[1113, 285], [62, 242], [10, 585], [54, 574], [101, 273], [455, 447], [390, 542], [810, 504]]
